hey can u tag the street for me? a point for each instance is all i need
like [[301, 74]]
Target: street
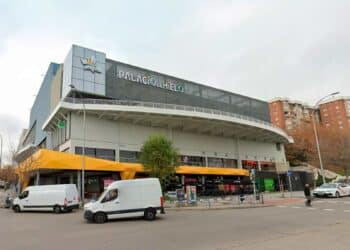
[[290, 226]]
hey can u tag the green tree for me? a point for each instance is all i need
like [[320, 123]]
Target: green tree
[[159, 158]]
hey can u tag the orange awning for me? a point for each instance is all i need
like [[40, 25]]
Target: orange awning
[[49, 159]]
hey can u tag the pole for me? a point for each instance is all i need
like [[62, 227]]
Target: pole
[[318, 148], [290, 185], [82, 187], [254, 189], [315, 132], [83, 156]]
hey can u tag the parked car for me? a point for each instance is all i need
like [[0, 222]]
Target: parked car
[[56, 198], [332, 190], [127, 198]]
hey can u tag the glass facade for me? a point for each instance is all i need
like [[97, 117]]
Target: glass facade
[[129, 156], [126, 82], [102, 153]]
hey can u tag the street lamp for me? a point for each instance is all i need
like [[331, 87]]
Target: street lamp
[[82, 188], [315, 132]]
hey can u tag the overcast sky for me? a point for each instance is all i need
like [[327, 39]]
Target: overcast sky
[[263, 49]]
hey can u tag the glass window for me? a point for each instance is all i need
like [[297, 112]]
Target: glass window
[[216, 95], [230, 163], [192, 160], [24, 195], [88, 151], [107, 154], [110, 195], [192, 89], [215, 162], [102, 153], [129, 156]]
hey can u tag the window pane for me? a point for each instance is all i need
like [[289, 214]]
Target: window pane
[[129, 156], [107, 154]]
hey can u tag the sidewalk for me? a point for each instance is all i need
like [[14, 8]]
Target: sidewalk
[[232, 202]]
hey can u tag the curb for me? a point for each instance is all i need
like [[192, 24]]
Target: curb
[[215, 208], [272, 204]]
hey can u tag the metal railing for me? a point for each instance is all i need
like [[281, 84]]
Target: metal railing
[[169, 106]]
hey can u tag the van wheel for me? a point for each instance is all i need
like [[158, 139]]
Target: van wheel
[[150, 214], [17, 209], [100, 218], [57, 209]]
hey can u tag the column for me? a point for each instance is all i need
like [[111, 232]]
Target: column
[[239, 161], [203, 183], [71, 178], [37, 178]]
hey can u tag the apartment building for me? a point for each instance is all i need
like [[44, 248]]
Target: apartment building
[[290, 115], [335, 113]]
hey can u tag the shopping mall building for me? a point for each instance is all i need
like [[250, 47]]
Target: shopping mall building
[[218, 134]]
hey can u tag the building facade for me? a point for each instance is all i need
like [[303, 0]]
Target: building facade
[[110, 108], [335, 114], [290, 115], [331, 114]]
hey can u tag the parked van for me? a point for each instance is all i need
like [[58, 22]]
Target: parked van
[[56, 198], [127, 198]]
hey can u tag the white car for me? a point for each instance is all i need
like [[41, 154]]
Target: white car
[[332, 190]]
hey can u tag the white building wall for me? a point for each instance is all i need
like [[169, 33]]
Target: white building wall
[[103, 133]]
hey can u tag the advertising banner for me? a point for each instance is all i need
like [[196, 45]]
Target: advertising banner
[[191, 193], [106, 182]]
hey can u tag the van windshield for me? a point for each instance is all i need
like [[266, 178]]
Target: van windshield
[[102, 195]]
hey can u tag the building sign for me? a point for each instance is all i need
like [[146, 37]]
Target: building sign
[[90, 64], [150, 79]]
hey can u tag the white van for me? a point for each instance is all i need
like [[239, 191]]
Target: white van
[[127, 198], [57, 198]]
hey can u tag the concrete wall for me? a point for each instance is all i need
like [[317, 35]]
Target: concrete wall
[[102, 133], [41, 107], [56, 88]]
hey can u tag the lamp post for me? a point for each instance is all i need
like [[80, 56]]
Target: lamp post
[[316, 136], [83, 151]]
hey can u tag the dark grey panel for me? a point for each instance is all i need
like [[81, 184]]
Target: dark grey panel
[[193, 95]]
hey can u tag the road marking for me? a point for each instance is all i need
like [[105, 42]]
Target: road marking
[[319, 201], [311, 208], [347, 211], [328, 209], [296, 207], [282, 206], [332, 202], [347, 202]]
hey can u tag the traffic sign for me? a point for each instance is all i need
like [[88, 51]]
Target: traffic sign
[[289, 173]]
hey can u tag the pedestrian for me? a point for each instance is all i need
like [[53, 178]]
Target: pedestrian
[[307, 194], [241, 193]]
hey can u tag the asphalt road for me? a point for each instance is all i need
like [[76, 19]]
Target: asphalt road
[[324, 226]]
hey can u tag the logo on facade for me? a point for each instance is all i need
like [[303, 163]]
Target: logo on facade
[[90, 64], [151, 80]]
